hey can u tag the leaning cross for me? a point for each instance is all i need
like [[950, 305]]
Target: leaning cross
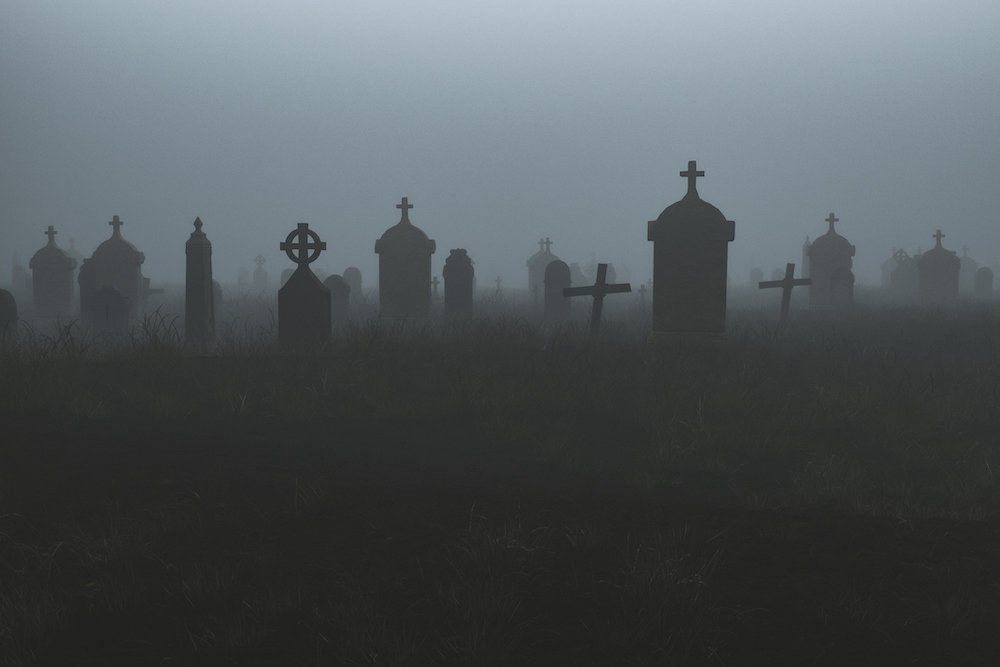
[[303, 251], [786, 284], [405, 206], [51, 233], [692, 175], [598, 290]]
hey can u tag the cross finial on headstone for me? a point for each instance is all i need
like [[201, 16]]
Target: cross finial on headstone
[[116, 223], [832, 220], [197, 224], [259, 260], [405, 206], [692, 175], [51, 233], [938, 236], [298, 246]]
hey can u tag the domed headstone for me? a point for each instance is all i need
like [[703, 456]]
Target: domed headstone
[[557, 279], [538, 262], [115, 263], [340, 297], [52, 279], [458, 277], [937, 274], [690, 255], [830, 269], [404, 268]]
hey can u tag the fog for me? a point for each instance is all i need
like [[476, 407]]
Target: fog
[[502, 123]]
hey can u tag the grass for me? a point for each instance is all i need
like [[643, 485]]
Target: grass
[[502, 491]]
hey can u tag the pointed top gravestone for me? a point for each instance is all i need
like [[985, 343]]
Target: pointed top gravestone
[[52, 279], [690, 255], [458, 277], [303, 302], [598, 290], [786, 284], [938, 273], [199, 288], [537, 263], [404, 268], [830, 268]]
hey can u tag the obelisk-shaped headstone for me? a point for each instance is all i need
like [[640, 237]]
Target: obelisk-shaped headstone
[[199, 292]]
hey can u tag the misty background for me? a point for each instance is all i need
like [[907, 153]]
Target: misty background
[[502, 123]]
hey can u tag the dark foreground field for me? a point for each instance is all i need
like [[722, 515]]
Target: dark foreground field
[[497, 493]]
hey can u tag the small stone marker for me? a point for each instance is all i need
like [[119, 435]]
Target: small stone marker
[[303, 302], [903, 279], [8, 316], [353, 277], [404, 268], [938, 273], [984, 283], [52, 279], [598, 290], [458, 280], [340, 297], [642, 292], [557, 279], [786, 285], [199, 288], [260, 276]]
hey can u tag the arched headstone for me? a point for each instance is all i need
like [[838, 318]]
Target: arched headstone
[[458, 277], [340, 297], [937, 273], [830, 268], [557, 279], [404, 268], [52, 279]]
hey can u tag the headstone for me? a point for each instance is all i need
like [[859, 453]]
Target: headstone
[[557, 279], [109, 310], [404, 268], [286, 274], [320, 273], [756, 275], [458, 279], [967, 272], [576, 274], [786, 283], [116, 263], [690, 255], [830, 269], [887, 267], [199, 288], [340, 297], [52, 279], [598, 290], [303, 301], [538, 262], [642, 292], [777, 274], [903, 279], [353, 277], [260, 276], [937, 274], [8, 316], [984, 283]]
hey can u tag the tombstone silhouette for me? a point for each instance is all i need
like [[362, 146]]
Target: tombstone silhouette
[[303, 301], [938, 273], [557, 279], [199, 288], [598, 290], [404, 268], [340, 297], [52, 279], [786, 284], [830, 268], [458, 277]]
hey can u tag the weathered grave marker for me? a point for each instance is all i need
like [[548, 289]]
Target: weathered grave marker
[[52, 279], [199, 288], [115, 263], [937, 273], [538, 262], [598, 290], [260, 276], [340, 297], [690, 254], [786, 284], [830, 269], [458, 278], [353, 277], [303, 302], [557, 279], [404, 268], [109, 310]]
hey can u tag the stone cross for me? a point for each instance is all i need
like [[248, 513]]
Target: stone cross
[[692, 175], [297, 251], [405, 206], [598, 290], [786, 284], [51, 233], [434, 284], [259, 259], [938, 236], [544, 245], [832, 220], [116, 223]]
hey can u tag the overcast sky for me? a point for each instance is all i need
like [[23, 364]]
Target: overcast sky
[[501, 122]]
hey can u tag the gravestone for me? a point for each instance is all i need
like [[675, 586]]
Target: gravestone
[[353, 277], [598, 290], [199, 288], [576, 274], [611, 275], [260, 276], [340, 297], [8, 316], [642, 292], [777, 274], [109, 310], [321, 274], [52, 279], [786, 283], [967, 272], [404, 268], [538, 262], [557, 279], [887, 267], [458, 277], [903, 279], [303, 302], [830, 269], [937, 274], [690, 255], [285, 275], [756, 275], [434, 289], [116, 263], [984, 283]]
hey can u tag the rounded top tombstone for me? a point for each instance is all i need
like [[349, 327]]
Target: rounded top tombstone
[[51, 257], [116, 250], [404, 236], [691, 216], [831, 244]]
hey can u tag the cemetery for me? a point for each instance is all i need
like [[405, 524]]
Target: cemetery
[[684, 470]]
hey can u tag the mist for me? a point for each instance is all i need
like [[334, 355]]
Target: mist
[[501, 124]]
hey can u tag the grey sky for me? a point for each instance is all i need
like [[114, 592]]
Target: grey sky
[[502, 123]]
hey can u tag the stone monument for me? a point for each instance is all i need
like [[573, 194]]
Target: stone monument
[[199, 288], [598, 290], [52, 279], [303, 302], [557, 279], [458, 277], [830, 269], [404, 268], [937, 274], [116, 263], [353, 277], [340, 297], [538, 262]]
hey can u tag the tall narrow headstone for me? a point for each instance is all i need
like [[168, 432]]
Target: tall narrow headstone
[[830, 269], [199, 291], [538, 262], [690, 255], [458, 274], [260, 274], [937, 274], [52, 279], [984, 283], [557, 279], [8, 316], [353, 277], [404, 268], [598, 290], [116, 263], [303, 301], [340, 297]]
